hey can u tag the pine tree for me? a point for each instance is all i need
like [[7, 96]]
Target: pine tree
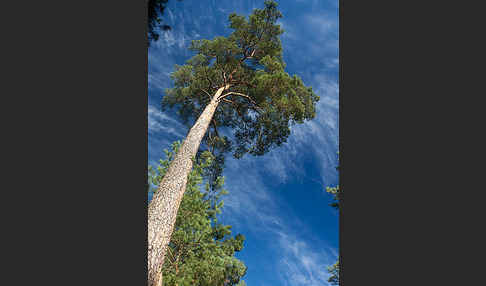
[[334, 271], [336, 192], [201, 250], [155, 11], [238, 83], [154, 22]]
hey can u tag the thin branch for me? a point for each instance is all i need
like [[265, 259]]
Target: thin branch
[[240, 94], [235, 106], [238, 111], [215, 128], [227, 100], [232, 92], [207, 77], [170, 252], [231, 74], [236, 82], [209, 95], [245, 53], [209, 139], [252, 45], [256, 107], [224, 75]]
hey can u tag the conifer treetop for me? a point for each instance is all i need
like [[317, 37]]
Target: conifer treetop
[[260, 101]]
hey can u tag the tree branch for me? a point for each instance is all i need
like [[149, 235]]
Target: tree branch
[[245, 53], [227, 100], [231, 74], [209, 95], [207, 77], [256, 107], [224, 76], [236, 82], [238, 111], [240, 94], [215, 128]]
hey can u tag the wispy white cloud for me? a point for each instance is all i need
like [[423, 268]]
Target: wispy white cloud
[[319, 137], [303, 264], [316, 62], [247, 194], [253, 205], [322, 23], [321, 37], [161, 122]]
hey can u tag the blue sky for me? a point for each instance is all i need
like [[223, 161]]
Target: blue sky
[[278, 200]]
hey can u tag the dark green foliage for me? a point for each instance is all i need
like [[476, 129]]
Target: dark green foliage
[[262, 100], [334, 271], [201, 250], [218, 146], [155, 11], [336, 192]]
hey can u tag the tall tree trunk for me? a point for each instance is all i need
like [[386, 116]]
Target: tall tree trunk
[[162, 210]]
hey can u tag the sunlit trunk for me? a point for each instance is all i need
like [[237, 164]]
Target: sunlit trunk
[[162, 210]]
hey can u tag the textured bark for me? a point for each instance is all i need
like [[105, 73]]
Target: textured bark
[[162, 210]]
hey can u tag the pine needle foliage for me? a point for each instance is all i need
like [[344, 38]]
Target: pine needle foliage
[[201, 251], [261, 100]]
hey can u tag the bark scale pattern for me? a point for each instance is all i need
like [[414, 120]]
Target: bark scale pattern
[[162, 210]]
